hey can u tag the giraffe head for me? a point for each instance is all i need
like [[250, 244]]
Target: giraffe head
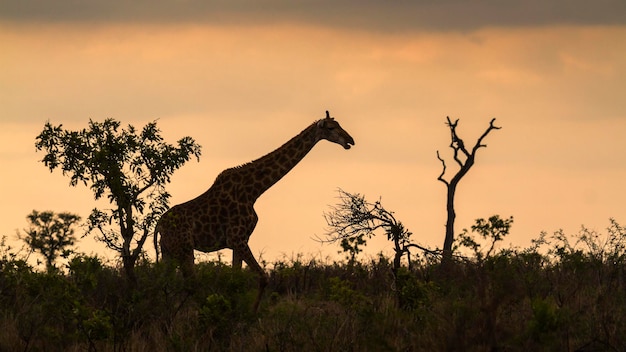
[[330, 130]]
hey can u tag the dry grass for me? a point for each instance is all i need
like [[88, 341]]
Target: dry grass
[[511, 301]]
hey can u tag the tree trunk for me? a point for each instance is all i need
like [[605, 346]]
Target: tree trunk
[[451, 216], [128, 259], [129, 266]]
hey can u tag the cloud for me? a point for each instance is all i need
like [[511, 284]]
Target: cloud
[[371, 15]]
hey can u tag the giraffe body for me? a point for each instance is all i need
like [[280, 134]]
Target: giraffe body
[[224, 216]]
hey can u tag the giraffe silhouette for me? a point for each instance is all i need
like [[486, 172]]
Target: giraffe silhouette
[[224, 216]]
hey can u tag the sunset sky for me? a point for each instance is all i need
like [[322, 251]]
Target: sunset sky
[[243, 77]]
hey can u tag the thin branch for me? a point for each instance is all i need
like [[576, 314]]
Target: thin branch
[[139, 247], [427, 250], [443, 162], [144, 188], [348, 230], [456, 143], [479, 141], [109, 240]]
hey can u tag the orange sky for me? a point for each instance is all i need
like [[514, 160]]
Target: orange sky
[[241, 90]]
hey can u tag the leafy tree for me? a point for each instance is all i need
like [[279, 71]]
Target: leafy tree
[[130, 167], [493, 230], [11, 260], [50, 235], [465, 159]]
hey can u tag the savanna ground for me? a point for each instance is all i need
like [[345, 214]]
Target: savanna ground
[[564, 293]]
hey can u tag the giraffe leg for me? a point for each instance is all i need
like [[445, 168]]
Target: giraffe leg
[[186, 263], [246, 255], [181, 256], [237, 260]]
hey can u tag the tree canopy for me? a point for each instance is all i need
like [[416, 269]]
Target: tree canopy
[[128, 166], [50, 234]]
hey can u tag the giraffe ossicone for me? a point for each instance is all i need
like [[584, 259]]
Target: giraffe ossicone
[[224, 216]]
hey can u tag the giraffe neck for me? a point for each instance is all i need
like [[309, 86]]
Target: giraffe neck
[[259, 175]]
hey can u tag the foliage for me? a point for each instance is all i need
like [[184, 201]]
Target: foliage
[[129, 167], [561, 293], [50, 235], [493, 230], [9, 258]]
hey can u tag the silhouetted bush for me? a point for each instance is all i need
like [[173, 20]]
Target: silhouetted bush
[[562, 293]]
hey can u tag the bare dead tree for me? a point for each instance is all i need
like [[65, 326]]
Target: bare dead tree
[[465, 159]]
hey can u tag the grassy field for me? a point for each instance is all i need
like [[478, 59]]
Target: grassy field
[[559, 297]]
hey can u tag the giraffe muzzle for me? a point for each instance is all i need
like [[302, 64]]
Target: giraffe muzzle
[[348, 143]]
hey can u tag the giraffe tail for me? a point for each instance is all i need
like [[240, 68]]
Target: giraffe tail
[[156, 243]]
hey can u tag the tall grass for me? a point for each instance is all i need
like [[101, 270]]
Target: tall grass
[[561, 294]]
